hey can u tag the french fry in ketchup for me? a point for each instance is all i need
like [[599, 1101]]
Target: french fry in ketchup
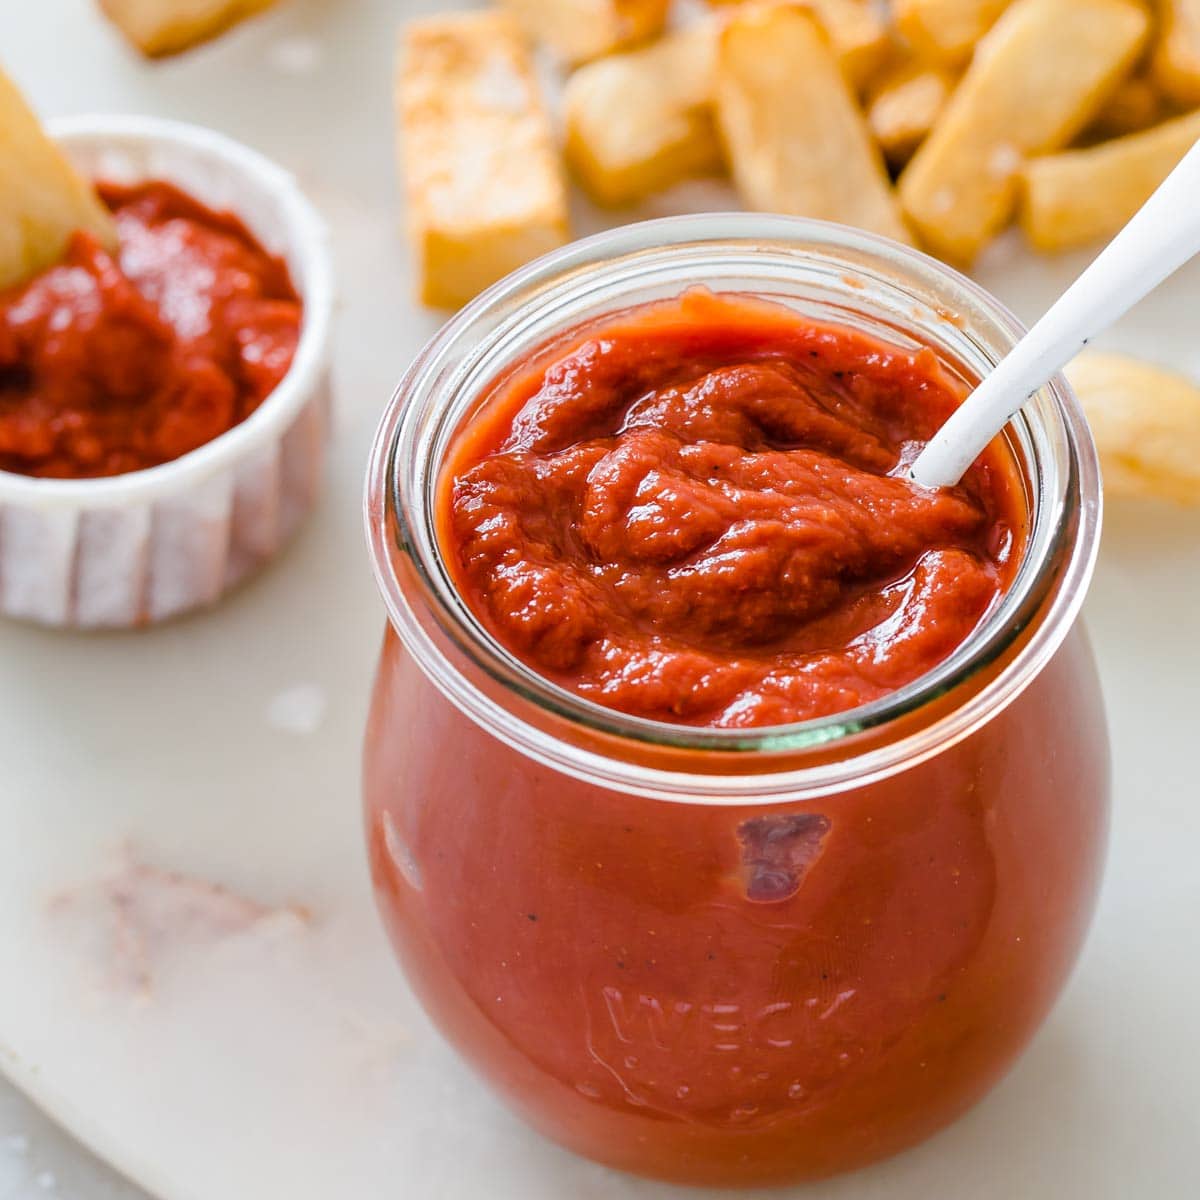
[[43, 199]]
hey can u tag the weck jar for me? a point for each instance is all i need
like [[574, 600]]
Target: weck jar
[[577, 895]]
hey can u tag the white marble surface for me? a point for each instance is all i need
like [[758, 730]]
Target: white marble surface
[[276, 1052], [39, 1160]]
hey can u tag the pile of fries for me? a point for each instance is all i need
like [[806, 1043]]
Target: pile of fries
[[939, 122], [935, 122]]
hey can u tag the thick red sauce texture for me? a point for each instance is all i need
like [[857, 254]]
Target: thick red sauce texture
[[112, 364], [695, 511]]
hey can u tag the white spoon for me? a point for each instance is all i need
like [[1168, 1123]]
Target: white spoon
[[1162, 236]]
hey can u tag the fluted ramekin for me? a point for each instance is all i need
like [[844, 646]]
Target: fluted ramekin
[[131, 549]]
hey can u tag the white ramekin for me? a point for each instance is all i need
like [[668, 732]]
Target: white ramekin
[[132, 549]]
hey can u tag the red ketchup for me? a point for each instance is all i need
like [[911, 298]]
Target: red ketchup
[[696, 511], [112, 364]]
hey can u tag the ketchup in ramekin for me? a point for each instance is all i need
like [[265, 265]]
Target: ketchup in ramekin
[[735, 807], [115, 362]]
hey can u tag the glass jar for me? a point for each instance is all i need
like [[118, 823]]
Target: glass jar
[[735, 956]]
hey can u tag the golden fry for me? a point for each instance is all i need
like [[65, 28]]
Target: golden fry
[[43, 199], [160, 27], [484, 186], [1038, 78], [794, 135], [1176, 63], [639, 122], [904, 105], [1146, 422], [946, 30], [1081, 196], [860, 37], [579, 30], [1135, 105]]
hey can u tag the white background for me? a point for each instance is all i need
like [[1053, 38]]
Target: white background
[[226, 746]]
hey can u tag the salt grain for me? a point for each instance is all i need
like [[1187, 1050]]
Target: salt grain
[[942, 201], [500, 87], [295, 56], [298, 710], [1005, 160]]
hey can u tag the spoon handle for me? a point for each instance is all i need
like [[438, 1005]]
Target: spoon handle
[[1161, 237]]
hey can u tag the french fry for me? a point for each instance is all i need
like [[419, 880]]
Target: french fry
[[1135, 105], [579, 30], [639, 122], [945, 30], [859, 35], [794, 135], [484, 187], [161, 27], [1176, 63], [1037, 79], [1081, 196], [1146, 422], [903, 106], [43, 199]]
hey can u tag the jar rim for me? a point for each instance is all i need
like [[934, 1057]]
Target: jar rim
[[1050, 582]]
